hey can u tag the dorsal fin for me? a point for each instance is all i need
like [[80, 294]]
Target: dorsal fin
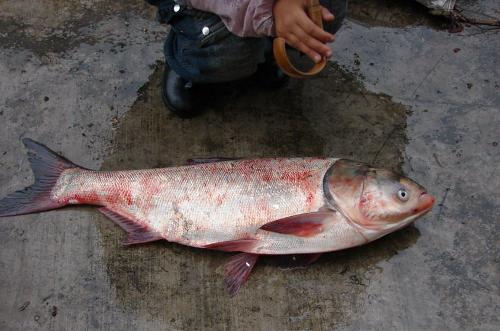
[[202, 160]]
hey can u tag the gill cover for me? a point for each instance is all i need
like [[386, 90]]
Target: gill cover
[[343, 186]]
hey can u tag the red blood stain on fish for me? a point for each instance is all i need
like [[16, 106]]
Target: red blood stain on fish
[[220, 199], [310, 198], [247, 169], [98, 189], [148, 186], [296, 177], [112, 195], [303, 180], [91, 198], [120, 195], [267, 177], [365, 200], [345, 181], [150, 190]]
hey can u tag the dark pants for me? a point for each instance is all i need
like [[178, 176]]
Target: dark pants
[[201, 49]]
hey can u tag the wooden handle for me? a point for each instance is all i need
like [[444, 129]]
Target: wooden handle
[[279, 47]]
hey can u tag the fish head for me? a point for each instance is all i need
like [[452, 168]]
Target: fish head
[[375, 199]]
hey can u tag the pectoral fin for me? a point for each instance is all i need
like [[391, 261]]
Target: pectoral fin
[[302, 225]]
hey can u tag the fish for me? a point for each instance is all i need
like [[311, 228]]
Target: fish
[[267, 206]]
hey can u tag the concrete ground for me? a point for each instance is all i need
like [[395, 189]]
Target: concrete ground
[[401, 92]]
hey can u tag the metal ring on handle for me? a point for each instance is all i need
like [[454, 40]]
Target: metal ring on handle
[[279, 47]]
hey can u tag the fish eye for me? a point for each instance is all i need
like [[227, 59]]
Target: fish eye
[[403, 195]]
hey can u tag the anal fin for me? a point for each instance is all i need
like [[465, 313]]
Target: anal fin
[[239, 245], [137, 233], [237, 270]]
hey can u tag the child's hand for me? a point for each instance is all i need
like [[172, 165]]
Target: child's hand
[[293, 24]]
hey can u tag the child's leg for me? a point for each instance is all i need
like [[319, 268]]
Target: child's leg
[[201, 49]]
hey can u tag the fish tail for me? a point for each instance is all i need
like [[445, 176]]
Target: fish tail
[[47, 167]]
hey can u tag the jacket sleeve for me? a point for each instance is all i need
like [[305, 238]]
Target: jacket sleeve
[[245, 18]]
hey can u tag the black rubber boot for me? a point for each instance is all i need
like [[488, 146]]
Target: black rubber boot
[[269, 75], [179, 95]]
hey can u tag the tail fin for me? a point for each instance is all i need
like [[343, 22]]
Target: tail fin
[[47, 167]]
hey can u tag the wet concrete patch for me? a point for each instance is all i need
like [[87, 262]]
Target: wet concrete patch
[[182, 286], [394, 14]]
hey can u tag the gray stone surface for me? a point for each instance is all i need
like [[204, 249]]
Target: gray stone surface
[[83, 77]]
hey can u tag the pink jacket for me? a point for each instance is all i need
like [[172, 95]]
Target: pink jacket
[[245, 18]]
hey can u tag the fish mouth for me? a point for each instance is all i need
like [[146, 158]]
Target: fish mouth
[[425, 203]]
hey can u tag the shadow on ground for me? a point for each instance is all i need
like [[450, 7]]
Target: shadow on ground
[[331, 115]]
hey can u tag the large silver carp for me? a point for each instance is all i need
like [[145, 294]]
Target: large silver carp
[[270, 206]]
